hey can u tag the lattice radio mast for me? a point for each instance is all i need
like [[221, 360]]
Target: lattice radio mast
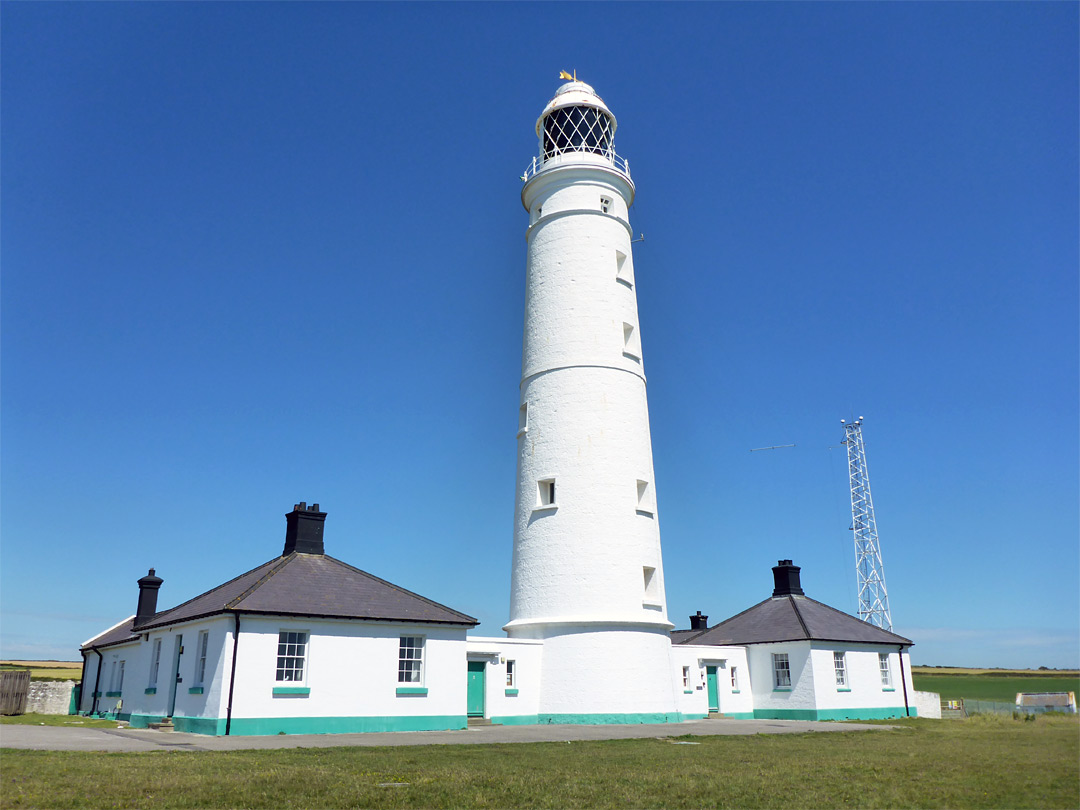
[[873, 598]]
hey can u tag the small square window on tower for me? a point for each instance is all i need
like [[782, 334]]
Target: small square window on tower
[[631, 344], [605, 204], [523, 419], [545, 495], [646, 504]]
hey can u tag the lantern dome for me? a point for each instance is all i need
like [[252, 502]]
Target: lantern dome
[[576, 120]]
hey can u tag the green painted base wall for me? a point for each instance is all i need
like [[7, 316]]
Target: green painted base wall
[[515, 720], [831, 714], [253, 726], [737, 716]]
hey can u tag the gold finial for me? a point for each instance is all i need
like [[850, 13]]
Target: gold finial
[[564, 75]]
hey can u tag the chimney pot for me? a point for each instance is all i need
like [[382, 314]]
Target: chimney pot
[[786, 579], [699, 622]]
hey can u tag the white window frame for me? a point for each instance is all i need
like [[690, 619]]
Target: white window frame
[[411, 660], [523, 419], [646, 503], [155, 663], [631, 342], [200, 657], [285, 662], [605, 205], [686, 677], [118, 676], [511, 674], [781, 671], [885, 667], [840, 669], [651, 585], [623, 268], [734, 679]]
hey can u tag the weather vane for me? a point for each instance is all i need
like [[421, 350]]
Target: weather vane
[[564, 75]]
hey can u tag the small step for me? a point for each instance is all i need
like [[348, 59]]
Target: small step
[[479, 721], [715, 715], [164, 725]]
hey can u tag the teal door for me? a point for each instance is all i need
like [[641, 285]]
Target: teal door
[[474, 700], [714, 689]]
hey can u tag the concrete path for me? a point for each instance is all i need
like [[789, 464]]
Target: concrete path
[[59, 738]]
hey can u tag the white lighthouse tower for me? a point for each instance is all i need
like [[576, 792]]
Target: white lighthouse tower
[[587, 572]]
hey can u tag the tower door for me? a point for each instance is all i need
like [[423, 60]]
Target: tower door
[[474, 700], [714, 688]]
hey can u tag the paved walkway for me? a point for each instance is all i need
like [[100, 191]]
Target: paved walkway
[[60, 738]]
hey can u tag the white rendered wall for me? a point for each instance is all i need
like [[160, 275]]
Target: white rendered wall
[[578, 579], [863, 677], [766, 698], [695, 702], [501, 705], [928, 704], [351, 670]]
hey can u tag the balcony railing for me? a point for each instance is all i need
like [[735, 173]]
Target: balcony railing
[[609, 158]]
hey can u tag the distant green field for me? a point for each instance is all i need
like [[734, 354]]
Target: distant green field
[[992, 687]]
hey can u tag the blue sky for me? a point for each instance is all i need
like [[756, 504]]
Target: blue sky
[[261, 253]]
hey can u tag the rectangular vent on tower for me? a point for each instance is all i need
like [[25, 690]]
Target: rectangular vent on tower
[[545, 495], [631, 343], [646, 504], [623, 269], [605, 204], [523, 419], [652, 587]]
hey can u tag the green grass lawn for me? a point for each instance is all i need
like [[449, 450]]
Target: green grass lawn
[[992, 687], [980, 762]]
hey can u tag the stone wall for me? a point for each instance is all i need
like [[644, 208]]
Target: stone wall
[[928, 704], [49, 697]]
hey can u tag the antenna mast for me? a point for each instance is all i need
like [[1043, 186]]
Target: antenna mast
[[873, 598]]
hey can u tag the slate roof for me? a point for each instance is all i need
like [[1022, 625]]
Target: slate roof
[[118, 634], [790, 618], [296, 584]]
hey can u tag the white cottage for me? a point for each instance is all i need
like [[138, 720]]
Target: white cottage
[[302, 643], [792, 657]]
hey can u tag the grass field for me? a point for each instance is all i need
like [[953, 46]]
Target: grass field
[[980, 762], [47, 670], [993, 685]]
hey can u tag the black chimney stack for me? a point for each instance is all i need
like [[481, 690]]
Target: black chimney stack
[[304, 530], [786, 579], [699, 622], [148, 588]]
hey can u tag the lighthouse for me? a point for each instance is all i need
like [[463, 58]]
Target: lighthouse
[[587, 577]]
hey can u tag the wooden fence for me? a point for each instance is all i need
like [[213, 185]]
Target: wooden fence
[[14, 686]]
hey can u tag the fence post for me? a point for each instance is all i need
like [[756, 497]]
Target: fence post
[[14, 685]]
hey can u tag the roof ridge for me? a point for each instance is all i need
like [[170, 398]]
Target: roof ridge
[[798, 615], [399, 588], [283, 561], [162, 613]]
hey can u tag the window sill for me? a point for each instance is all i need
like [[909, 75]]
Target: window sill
[[97, 694], [112, 694], [888, 689], [522, 432], [843, 689], [781, 688], [630, 356], [736, 692], [412, 690], [644, 512], [625, 281], [150, 691], [546, 507], [688, 691], [195, 690], [292, 690], [652, 603], [511, 692]]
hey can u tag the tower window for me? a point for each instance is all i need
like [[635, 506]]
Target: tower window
[[631, 344], [652, 585], [645, 502], [622, 269], [523, 419], [545, 492], [605, 204]]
